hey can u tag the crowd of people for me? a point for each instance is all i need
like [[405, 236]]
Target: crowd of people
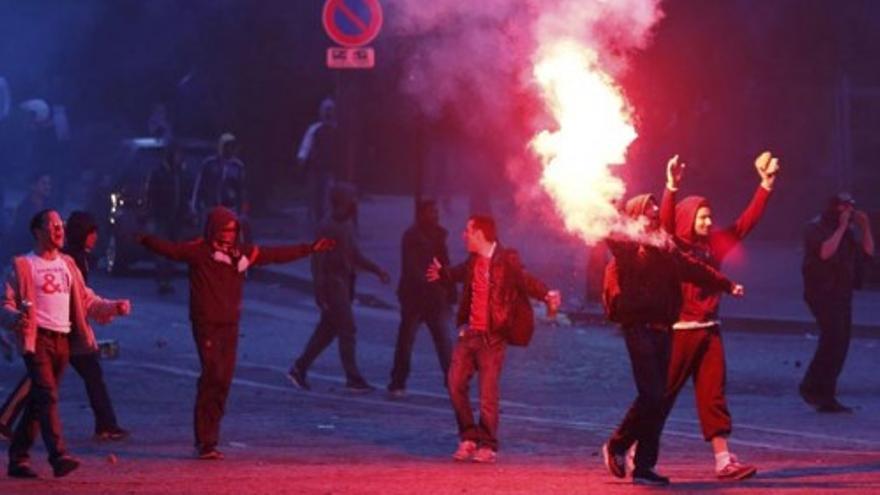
[[663, 288]]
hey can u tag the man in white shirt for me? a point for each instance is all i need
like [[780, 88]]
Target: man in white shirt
[[47, 303]]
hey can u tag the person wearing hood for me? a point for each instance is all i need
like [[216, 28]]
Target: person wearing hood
[[334, 280], [697, 347], [217, 265], [81, 236], [421, 301], [642, 293], [48, 304], [834, 244]]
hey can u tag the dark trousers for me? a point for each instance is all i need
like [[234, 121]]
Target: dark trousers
[[649, 355], [336, 321], [88, 366], [484, 353], [217, 345], [319, 183], [44, 367], [834, 317], [437, 321], [699, 354]]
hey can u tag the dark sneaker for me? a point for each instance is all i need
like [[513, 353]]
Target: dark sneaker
[[465, 451], [485, 455], [648, 477], [22, 470], [298, 378], [614, 462], [209, 454], [833, 407], [360, 387], [735, 470], [809, 397], [114, 434], [64, 465]]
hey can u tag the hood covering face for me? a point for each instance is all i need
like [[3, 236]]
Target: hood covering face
[[685, 215], [217, 218], [637, 206], [79, 225]]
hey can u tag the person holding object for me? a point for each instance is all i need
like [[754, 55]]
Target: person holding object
[[217, 265], [493, 308], [834, 244], [47, 303], [697, 348], [642, 292]]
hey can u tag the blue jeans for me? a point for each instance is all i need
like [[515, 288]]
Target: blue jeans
[[481, 352]]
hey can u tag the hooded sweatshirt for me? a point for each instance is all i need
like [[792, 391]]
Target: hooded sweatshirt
[[701, 304], [216, 278], [643, 281], [79, 225]]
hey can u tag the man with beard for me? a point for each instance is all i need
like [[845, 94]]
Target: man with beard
[[217, 265]]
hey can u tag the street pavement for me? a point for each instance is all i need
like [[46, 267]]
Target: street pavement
[[561, 397]]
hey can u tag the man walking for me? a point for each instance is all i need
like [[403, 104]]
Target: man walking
[[493, 305], [334, 279], [47, 303], [421, 301], [834, 242], [642, 293], [697, 347]]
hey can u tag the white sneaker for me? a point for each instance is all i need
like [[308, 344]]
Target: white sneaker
[[466, 450], [485, 455]]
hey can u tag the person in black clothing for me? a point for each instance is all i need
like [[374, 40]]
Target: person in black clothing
[[642, 293], [81, 236], [334, 274], [421, 301], [834, 243], [320, 156], [221, 180], [167, 193]]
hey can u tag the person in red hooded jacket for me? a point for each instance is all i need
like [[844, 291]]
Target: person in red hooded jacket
[[217, 265], [697, 348]]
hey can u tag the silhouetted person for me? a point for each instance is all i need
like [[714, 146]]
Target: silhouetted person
[[420, 300], [320, 154], [167, 194], [833, 244]]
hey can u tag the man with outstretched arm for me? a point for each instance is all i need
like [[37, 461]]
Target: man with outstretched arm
[[493, 305], [217, 265]]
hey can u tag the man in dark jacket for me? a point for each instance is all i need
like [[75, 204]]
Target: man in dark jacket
[[834, 243], [221, 180], [168, 205], [697, 348], [334, 278], [643, 294], [421, 301], [495, 288], [81, 236], [217, 265]]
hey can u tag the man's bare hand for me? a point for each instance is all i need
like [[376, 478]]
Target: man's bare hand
[[323, 244], [123, 307], [674, 172], [738, 290], [553, 300], [767, 166], [433, 272]]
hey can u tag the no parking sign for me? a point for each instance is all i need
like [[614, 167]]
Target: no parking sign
[[352, 24]]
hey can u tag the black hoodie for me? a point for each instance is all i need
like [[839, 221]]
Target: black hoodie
[[79, 225]]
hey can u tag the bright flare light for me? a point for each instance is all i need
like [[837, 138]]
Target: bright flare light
[[593, 134]]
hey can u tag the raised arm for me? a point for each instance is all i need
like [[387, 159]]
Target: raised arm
[[265, 255], [768, 168], [674, 174]]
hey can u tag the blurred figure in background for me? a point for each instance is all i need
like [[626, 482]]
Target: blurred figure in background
[[37, 198], [834, 243], [167, 193], [320, 156]]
